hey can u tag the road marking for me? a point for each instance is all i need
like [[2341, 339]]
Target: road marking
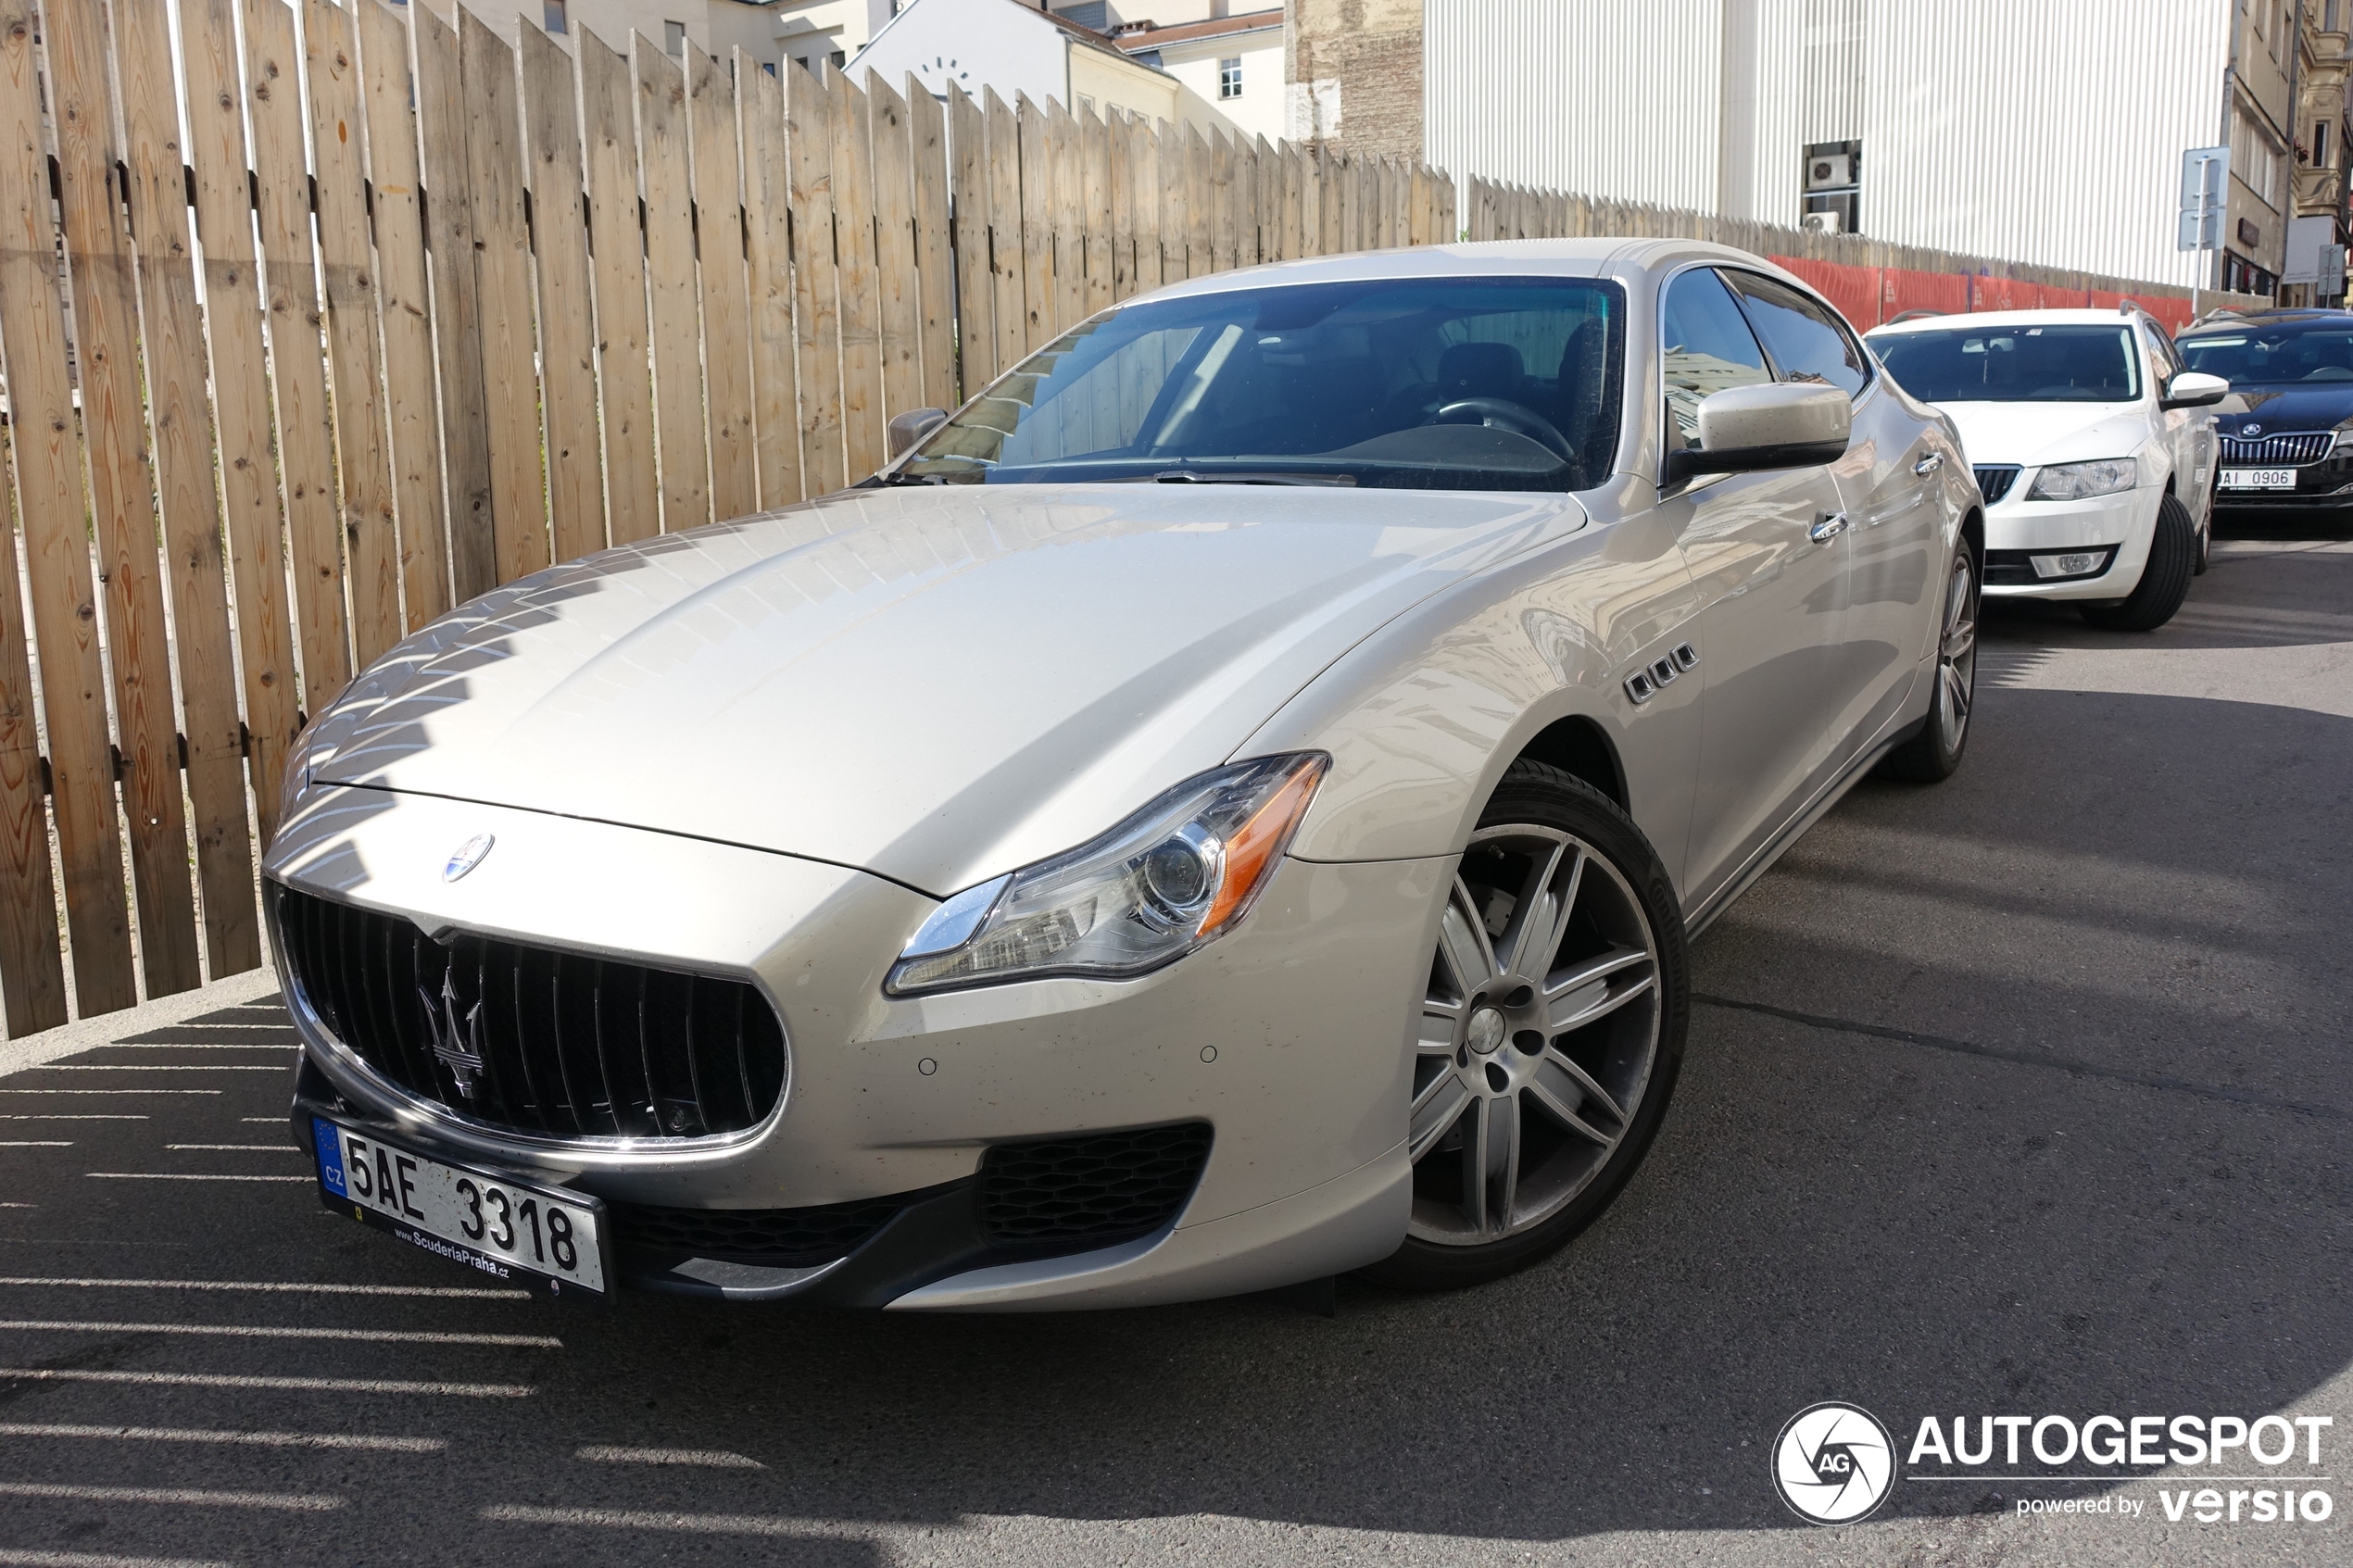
[[214, 1092], [251, 1147], [257, 1331], [144, 1067], [448, 1292], [635, 1519], [295, 1384], [709, 1459], [78, 1116], [19, 1206], [279, 1119], [34, 1143], [199, 1046], [300, 1502], [182, 1176], [12, 1556], [240, 1439]]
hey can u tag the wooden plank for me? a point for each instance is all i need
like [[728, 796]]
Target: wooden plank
[[1221, 203], [1175, 214], [1041, 302], [49, 500], [122, 509], [1417, 208], [1295, 208], [935, 258], [1008, 243], [194, 571], [567, 316], [363, 462], [726, 303], [1119, 148], [1070, 229], [862, 411], [1448, 215], [1200, 200], [664, 180], [809, 114], [502, 289], [33, 976], [895, 281], [969, 173], [406, 307], [1258, 175], [616, 245], [253, 508], [1095, 210], [1148, 205], [457, 310], [298, 353], [768, 234]]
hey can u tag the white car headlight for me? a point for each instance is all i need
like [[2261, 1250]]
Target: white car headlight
[[2076, 482], [1177, 875]]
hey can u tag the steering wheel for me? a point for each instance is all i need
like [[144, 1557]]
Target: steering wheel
[[1501, 413]]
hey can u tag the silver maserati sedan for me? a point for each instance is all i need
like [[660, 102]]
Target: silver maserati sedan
[[1226, 808]]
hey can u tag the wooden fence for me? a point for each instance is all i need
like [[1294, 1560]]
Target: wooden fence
[[414, 313]]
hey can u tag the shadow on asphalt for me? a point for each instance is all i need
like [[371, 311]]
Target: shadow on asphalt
[[2131, 887]]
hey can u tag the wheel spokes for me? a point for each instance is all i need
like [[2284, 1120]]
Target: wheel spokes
[[1570, 998], [1436, 1109], [1555, 1103], [1541, 918], [1560, 1061], [1462, 942]]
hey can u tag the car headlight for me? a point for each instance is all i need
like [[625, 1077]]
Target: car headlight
[[1177, 875], [2076, 482]]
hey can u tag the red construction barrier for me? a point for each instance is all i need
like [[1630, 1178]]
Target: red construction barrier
[[1855, 290], [2004, 293], [2175, 313], [1947, 294]]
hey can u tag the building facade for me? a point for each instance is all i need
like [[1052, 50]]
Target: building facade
[[1353, 75], [1233, 59], [1013, 47], [2321, 127], [716, 27]]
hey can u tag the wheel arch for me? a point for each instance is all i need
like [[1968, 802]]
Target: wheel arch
[[1579, 747]]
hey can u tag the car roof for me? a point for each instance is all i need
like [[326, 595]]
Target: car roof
[[2078, 317], [1586, 257], [2236, 322]]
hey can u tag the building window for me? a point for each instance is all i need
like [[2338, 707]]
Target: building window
[[836, 56], [2255, 158], [2320, 144], [551, 16], [1230, 78], [674, 38]]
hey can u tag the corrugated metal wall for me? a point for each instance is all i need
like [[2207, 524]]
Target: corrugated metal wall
[[2039, 131]]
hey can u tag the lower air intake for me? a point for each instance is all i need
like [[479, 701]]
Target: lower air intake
[[1098, 1189], [775, 1239]]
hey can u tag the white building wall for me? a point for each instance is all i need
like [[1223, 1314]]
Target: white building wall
[[1259, 110], [2035, 131]]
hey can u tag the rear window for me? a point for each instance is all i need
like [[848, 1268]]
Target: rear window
[[2045, 364]]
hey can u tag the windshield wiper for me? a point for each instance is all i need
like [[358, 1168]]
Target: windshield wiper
[[1194, 476]]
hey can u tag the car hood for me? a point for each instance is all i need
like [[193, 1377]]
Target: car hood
[[2034, 434], [935, 684], [2282, 409]]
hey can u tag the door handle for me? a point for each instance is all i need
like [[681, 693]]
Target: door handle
[[1928, 464], [1828, 526]]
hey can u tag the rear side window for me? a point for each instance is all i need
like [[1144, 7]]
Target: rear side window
[[1806, 342], [1704, 346]]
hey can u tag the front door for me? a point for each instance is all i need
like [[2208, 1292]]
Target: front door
[[1768, 556]]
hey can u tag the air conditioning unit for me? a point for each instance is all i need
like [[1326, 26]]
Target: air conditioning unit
[[1823, 222], [1828, 171]]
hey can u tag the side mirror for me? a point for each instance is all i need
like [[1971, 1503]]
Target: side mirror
[[2192, 389], [1777, 425], [913, 426]]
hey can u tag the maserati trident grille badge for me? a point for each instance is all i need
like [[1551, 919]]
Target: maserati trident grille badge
[[467, 856], [457, 1040]]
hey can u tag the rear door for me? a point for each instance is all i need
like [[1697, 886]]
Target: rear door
[[1887, 485], [1772, 596]]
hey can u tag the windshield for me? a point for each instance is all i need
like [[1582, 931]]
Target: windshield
[[1508, 384], [2013, 364], [2273, 356]]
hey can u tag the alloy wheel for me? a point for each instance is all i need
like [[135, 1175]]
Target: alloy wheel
[[1956, 653], [1539, 1032]]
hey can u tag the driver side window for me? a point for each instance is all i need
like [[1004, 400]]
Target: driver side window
[[1704, 346]]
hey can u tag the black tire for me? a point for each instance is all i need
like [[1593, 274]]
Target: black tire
[[1934, 755], [2165, 580], [1634, 894]]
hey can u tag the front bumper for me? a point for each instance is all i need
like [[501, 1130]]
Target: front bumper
[[1289, 1038], [2122, 523]]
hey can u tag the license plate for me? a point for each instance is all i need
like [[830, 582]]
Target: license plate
[[2258, 478], [508, 1229]]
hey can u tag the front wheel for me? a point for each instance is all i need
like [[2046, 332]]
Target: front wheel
[[1932, 756], [2165, 580], [1551, 1032]]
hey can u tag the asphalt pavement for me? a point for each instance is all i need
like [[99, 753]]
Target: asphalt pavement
[[2023, 1094]]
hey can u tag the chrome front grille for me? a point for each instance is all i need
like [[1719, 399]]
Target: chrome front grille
[[2277, 451], [1994, 480], [550, 1043]]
